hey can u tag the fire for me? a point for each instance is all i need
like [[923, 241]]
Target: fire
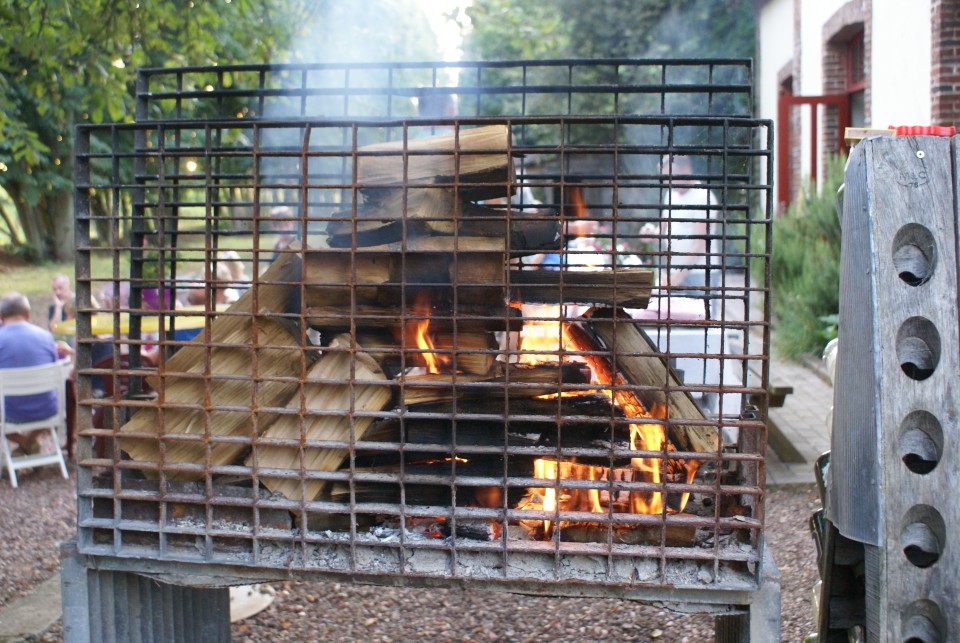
[[644, 436], [573, 499], [577, 202], [540, 337], [421, 335]]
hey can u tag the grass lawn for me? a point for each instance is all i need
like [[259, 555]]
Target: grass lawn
[[32, 281]]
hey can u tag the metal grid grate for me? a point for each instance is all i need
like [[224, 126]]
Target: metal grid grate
[[714, 87], [432, 476]]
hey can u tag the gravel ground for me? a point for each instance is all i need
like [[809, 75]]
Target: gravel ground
[[36, 517]]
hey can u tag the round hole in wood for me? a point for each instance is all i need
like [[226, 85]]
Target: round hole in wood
[[918, 348], [923, 622], [914, 254], [923, 535], [921, 442]]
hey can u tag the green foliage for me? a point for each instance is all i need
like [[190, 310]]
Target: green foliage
[[542, 29], [538, 29], [805, 268], [64, 62]]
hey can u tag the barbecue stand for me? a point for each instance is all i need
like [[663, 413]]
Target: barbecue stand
[[425, 482]]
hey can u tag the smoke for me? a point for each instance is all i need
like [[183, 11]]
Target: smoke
[[370, 31]]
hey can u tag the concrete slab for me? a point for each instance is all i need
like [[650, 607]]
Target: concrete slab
[[32, 614]]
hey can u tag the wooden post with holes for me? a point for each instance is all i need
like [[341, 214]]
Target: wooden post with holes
[[895, 443]]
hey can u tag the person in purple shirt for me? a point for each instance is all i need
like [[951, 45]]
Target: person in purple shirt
[[24, 344]]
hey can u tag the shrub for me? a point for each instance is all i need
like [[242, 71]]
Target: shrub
[[805, 268]]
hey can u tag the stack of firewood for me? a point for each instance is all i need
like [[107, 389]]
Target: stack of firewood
[[411, 293]]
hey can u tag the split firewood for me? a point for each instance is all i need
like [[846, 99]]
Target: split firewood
[[444, 244], [628, 287], [436, 212], [475, 161], [658, 386], [323, 411], [394, 214], [213, 397], [272, 292], [452, 268], [471, 266]]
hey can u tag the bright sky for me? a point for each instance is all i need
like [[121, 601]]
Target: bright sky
[[448, 34]]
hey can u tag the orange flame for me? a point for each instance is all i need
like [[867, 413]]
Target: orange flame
[[577, 202], [540, 338], [644, 436], [424, 342], [585, 500]]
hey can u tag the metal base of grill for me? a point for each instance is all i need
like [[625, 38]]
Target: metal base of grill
[[107, 605], [137, 600]]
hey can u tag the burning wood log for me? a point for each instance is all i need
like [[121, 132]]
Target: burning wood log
[[476, 161], [659, 386], [516, 381], [467, 319], [582, 419], [473, 353], [428, 482], [622, 286], [320, 416], [436, 209]]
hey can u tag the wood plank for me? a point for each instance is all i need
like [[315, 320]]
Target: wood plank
[[272, 292], [643, 365], [911, 200], [467, 158], [627, 287], [315, 404], [226, 402]]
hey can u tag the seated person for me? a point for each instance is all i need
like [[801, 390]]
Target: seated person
[[234, 273], [23, 344], [62, 307], [223, 292], [686, 235], [108, 300], [284, 224]]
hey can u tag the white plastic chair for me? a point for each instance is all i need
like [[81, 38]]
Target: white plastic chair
[[32, 380]]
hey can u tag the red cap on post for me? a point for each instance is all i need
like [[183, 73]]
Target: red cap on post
[[924, 130]]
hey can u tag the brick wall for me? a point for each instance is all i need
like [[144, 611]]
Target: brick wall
[[945, 70], [848, 21]]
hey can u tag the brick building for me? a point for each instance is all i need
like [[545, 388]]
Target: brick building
[[824, 65]]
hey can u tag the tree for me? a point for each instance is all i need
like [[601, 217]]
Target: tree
[[64, 62], [536, 29]]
